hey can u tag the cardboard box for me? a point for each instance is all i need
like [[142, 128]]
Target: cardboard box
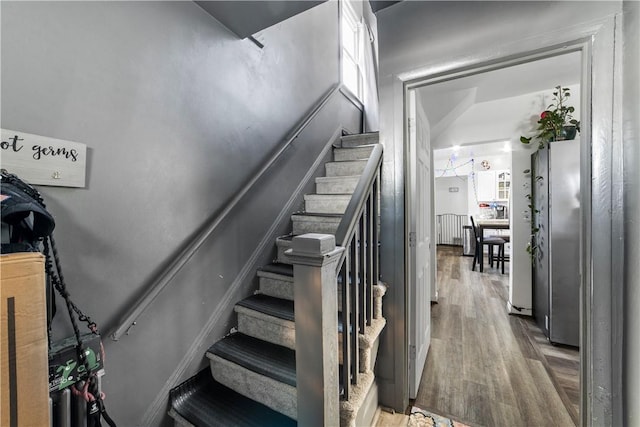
[[24, 391]]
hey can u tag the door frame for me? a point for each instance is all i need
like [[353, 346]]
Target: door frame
[[602, 266]]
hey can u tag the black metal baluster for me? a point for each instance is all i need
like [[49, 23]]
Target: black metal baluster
[[376, 225], [346, 350], [370, 244], [362, 288], [355, 359]]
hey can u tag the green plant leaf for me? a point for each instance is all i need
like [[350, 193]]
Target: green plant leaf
[[525, 140]]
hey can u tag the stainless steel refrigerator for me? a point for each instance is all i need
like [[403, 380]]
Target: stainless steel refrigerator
[[555, 185]]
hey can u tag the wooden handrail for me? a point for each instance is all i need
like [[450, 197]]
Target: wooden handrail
[[179, 261]]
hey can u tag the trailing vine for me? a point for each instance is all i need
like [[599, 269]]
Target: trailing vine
[[532, 247]]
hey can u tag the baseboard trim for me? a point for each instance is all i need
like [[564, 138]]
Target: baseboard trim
[[159, 405], [519, 311]]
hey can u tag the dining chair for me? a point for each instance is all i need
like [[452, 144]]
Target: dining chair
[[502, 257], [491, 242]]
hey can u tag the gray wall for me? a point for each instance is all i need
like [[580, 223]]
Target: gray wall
[[177, 114], [631, 138], [425, 38]]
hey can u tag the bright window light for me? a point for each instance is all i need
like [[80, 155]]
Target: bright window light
[[351, 73]]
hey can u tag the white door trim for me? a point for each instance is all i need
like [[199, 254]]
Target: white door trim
[[601, 200]]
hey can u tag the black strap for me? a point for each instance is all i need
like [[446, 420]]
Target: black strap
[[96, 408], [106, 416], [96, 411]]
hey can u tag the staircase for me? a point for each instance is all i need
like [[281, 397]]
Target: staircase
[[252, 377]]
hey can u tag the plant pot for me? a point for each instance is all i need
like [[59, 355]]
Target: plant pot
[[567, 133]]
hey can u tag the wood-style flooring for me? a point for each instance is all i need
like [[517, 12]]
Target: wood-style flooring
[[486, 367]]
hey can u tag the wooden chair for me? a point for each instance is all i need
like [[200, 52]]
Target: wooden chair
[[491, 242]]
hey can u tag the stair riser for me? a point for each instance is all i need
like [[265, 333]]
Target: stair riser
[[274, 394], [364, 356], [326, 205], [358, 140], [377, 307], [283, 245], [339, 185], [345, 154], [367, 344], [282, 256], [277, 288], [314, 227], [351, 410], [301, 226], [258, 326], [344, 168], [365, 415]]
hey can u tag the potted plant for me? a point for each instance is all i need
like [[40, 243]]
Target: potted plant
[[556, 123]]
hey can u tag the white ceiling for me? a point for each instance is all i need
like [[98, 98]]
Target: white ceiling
[[448, 101]]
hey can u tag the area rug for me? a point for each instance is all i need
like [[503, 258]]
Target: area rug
[[422, 418]]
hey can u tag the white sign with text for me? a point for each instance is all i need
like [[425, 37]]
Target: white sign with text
[[42, 160]]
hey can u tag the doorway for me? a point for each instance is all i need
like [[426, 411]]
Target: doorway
[[588, 224]]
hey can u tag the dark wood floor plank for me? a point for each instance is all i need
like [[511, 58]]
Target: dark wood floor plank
[[486, 367]]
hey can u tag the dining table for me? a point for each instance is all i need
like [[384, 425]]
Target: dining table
[[488, 224]]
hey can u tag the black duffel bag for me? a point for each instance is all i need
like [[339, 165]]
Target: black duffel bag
[[25, 221]]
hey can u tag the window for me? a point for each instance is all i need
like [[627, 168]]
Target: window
[[351, 73]]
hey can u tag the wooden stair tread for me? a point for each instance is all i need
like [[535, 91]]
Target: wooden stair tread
[[278, 268], [264, 358], [276, 307], [202, 401]]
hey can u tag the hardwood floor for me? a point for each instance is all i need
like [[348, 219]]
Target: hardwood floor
[[486, 367]]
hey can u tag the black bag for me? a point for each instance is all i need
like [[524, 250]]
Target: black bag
[[25, 221]]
